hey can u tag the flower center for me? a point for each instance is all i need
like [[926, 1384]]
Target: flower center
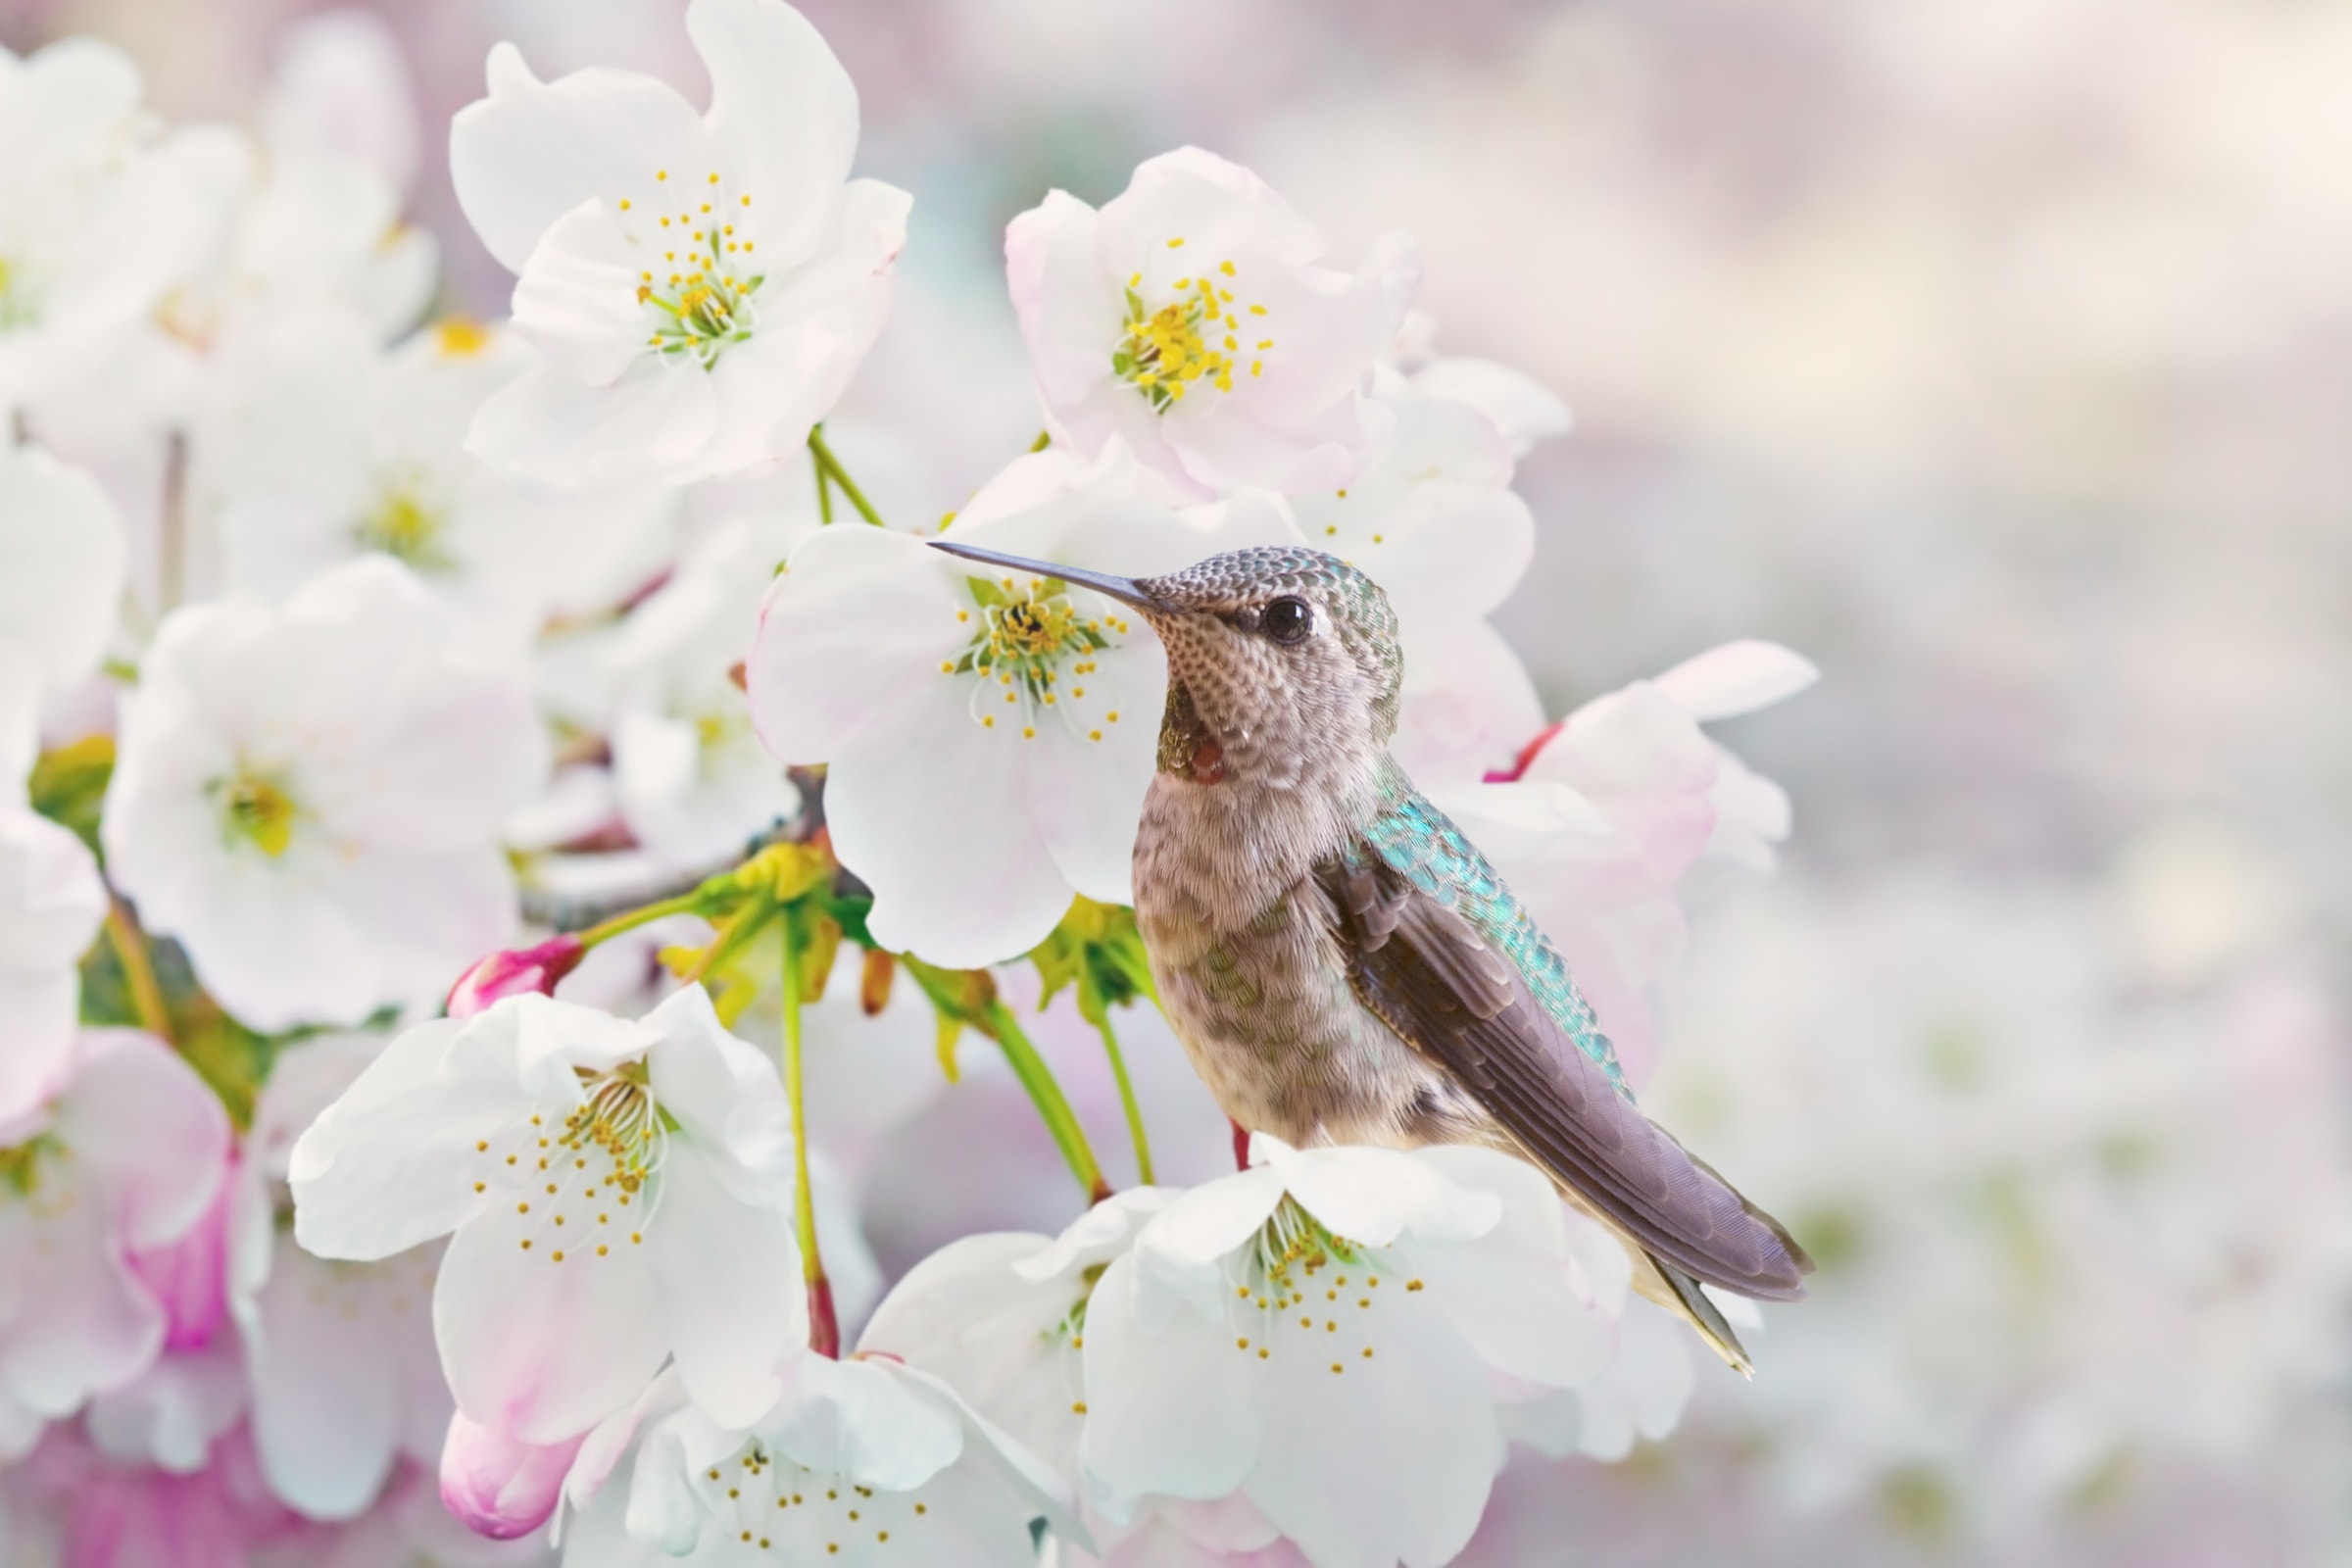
[[1026, 640], [621, 1119], [777, 1507], [586, 1186], [405, 528], [460, 337], [700, 297], [1194, 336], [21, 1163], [254, 808], [1299, 1289]]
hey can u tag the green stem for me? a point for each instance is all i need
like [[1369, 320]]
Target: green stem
[[694, 903], [824, 1327], [1053, 1108], [828, 467], [825, 492], [138, 972], [1135, 1112]]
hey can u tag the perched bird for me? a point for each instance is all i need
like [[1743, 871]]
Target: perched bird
[[1343, 967]]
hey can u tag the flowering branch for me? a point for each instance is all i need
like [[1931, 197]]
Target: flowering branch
[[967, 998], [824, 1327], [829, 469], [1098, 949], [138, 972]]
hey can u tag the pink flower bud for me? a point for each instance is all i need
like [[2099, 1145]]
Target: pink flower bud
[[498, 1485], [515, 974]]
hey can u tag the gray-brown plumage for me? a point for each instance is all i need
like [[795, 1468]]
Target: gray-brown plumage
[[1339, 962]]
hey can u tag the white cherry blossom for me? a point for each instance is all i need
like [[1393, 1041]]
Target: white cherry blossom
[[61, 569], [700, 287], [1038, 700], [51, 903], [308, 797], [1263, 1331], [692, 780], [322, 448], [99, 214], [1192, 317], [343, 1378], [129, 1157], [617, 1193], [864, 1462]]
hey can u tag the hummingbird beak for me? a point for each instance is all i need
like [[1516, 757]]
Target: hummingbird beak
[[1126, 590]]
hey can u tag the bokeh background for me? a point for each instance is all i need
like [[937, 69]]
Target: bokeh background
[[1997, 354]]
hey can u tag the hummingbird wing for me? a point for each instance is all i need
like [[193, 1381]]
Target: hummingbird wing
[[1441, 952]]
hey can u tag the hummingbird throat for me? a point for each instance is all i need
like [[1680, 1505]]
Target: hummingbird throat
[[1188, 747]]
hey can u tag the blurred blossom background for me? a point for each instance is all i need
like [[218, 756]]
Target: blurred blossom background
[[1996, 354]]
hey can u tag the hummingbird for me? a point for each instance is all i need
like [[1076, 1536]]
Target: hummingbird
[[1341, 964]]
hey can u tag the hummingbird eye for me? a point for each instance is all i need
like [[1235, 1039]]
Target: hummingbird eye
[[1287, 619]]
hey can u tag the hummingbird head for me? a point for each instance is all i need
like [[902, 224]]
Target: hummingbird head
[[1282, 661]]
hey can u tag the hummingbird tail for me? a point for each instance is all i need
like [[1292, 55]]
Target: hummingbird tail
[[1689, 1303]]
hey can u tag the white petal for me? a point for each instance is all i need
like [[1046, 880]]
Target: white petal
[[1510, 1290], [783, 112], [1373, 1196], [649, 428], [577, 298], [1387, 1458], [859, 1420], [541, 1348], [532, 150], [388, 1165], [732, 1300], [1180, 1412], [325, 1400], [62, 556], [1737, 678]]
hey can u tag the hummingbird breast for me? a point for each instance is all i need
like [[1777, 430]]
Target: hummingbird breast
[[1246, 953]]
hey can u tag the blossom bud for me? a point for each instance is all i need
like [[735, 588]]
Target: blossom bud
[[515, 973], [499, 1485]]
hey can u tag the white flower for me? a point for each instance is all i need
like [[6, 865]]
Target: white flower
[[989, 738], [1637, 754], [62, 562], [864, 1462], [97, 221], [1191, 317], [51, 902], [129, 1157], [620, 1193], [693, 782], [702, 286], [1600, 823], [1265, 1331], [1523, 412], [307, 798], [322, 448], [343, 1377]]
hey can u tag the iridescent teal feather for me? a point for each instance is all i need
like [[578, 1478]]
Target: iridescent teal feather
[[1422, 843]]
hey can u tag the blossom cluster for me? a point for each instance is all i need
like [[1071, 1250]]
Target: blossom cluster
[[528, 901]]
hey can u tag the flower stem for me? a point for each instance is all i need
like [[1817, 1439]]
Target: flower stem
[[824, 1327], [1053, 1106], [825, 492], [828, 467], [1135, 1112], [138, 972], [694, 903]]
